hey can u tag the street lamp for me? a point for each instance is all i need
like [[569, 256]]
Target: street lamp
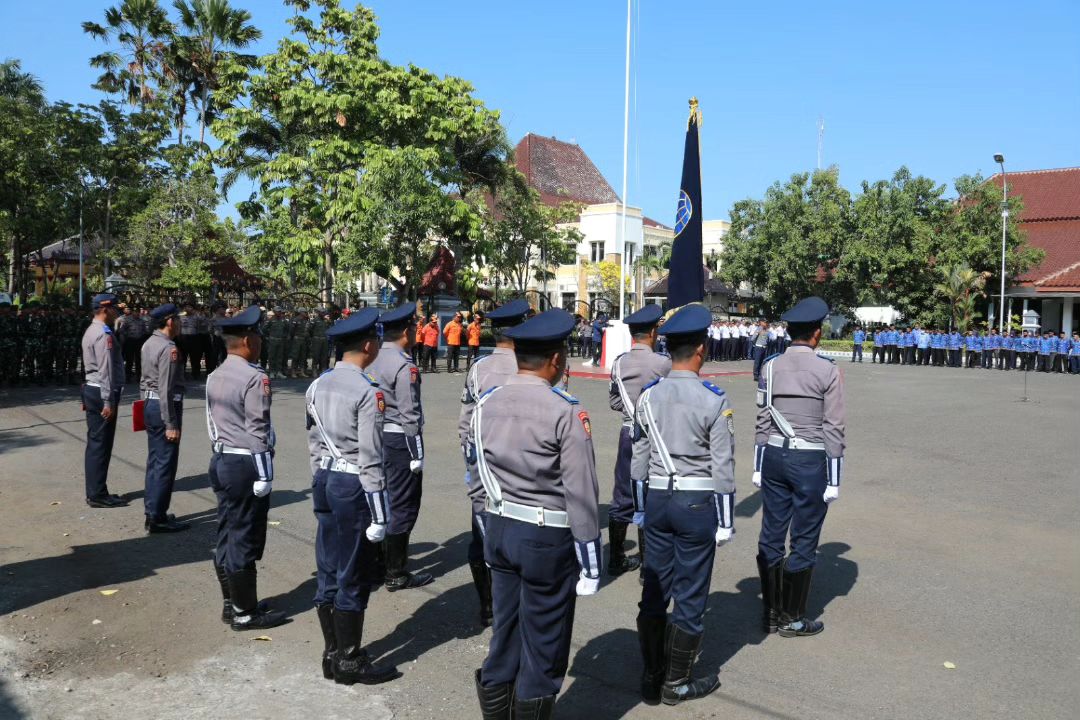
[[1000, 160]]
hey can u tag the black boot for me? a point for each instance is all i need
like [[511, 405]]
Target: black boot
[[226, 596], [247, 615], [326, 624], [641, 555], [481, 577], [169, 525], [351, 664], [618, 563], [539, 708], [495, 701], [651, 638], [771, 578], [682, 650], [397, 553], [796, 590]]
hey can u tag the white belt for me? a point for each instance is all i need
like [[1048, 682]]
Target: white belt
[[222, 448], [628, 423], [343, 466], [392, 428], [152, 395], [794, 443], [681, 482], [90, 384], [530, 514]]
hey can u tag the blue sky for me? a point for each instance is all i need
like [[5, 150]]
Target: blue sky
[[937, 86]]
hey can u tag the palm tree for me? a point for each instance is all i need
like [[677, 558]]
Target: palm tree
[[654, 260], [20, 86], [961, 286], [139, 26], [180, 80], [216, 31]]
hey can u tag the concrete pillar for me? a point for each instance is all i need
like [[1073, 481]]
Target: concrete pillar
[[991, 317], [1008, 315], [1067, 315], [1025, 307]]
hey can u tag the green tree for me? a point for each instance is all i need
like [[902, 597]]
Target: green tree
[[140, 28], [604, 279], [961, 286]]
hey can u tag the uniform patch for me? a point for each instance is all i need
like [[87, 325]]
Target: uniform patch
[[585, 423], [712, 388], [108, 341], [730, 416], [414, 374], [174, 354], [380, 401], [266, 386], [565, 395]]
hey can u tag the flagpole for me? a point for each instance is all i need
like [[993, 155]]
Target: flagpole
[[625, 151]]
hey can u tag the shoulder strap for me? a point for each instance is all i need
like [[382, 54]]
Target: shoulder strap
[[655, 435], [487, 478], [781, 422], [616, 372], [334, 452]]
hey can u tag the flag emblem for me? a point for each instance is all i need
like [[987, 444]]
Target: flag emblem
[[683, 212]]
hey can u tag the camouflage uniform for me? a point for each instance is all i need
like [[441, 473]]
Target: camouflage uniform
[[319, 352], [277, 335], [9, 346], [298, 348]]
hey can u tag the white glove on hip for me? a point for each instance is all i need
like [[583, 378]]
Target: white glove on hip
[[262, 488], [416, 466], [375, 533], [639, 519], [832, 492], [723, 535], [756, 479], [587, 585]]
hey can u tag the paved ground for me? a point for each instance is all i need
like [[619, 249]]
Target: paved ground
[[955, 540]]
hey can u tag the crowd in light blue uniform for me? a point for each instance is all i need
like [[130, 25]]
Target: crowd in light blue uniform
[[991, 350]]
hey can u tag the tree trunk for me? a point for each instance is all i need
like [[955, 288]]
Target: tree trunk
[[202, 115], [108, 228], [328, 267]]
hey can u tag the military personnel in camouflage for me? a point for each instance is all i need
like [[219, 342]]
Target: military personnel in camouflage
[[9, 342], [299, 340], [276, 330], [318, 349]]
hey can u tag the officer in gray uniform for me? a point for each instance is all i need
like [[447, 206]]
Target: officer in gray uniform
[[684, 471], [345, 409], [241, 469], [163, 396], [103, 365], [798, 461], [403, 443], [531, 444], [630, 372], [485, 373]]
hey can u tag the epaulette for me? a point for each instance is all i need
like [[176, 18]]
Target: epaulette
[[774, 355], [405, 355], [565, 395], [488, 392], [654, 382], [327, 371], [371, 379], [106, 329], [715, 390], [827, 359], [663, 353]]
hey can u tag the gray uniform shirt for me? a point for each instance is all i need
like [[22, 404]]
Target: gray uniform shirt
[[693, 418], [350, 407], [399, 380], [187, 324], [538, 445], [808, 391], [162, 373], [238, 403], [486, 372], [103, 361], [633, 370]]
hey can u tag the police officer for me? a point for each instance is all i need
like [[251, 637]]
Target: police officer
[[798, 461], [103, 365], [532, 445], [241, 468], [403, 443], [486, 373], [345, 409], [163, 394], [630, 372], [684, 473]]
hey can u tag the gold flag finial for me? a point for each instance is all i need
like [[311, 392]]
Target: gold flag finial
[[695, 113]]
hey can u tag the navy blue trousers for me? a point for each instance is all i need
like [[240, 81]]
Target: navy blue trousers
[[162, 457], [476, 544], [355, 554], [534, 574], [759, 358], [99, 442], [241, 517], [680, 542], [792, 488], [622, 497], [326, 556], [404, 487]]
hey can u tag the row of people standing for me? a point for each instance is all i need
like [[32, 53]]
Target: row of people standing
[[39, 344], [1045, 352]]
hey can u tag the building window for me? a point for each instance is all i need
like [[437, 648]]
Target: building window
[[629, 254], [569, 302], [596, 251]]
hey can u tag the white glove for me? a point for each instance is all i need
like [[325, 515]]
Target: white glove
[[832, 492], [639, 519], [262, 488], [416, 466], [375, 533], [723, 535], [587, 585], [756, 479]]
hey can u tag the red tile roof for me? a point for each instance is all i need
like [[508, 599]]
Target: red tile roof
[[561, 171], [1051, 222]]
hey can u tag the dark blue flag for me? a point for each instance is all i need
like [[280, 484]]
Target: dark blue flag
[[686, 271]]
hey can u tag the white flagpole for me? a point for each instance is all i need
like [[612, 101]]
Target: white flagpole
[[625, 146]]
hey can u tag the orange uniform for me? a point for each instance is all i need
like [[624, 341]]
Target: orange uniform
[[452, 331], [431, 335], [474, 334]]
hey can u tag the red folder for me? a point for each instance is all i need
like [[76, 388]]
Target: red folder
[[138, 424]]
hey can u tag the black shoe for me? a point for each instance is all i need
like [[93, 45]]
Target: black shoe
[[540, 708], [651, 639], [107, 501], [351, 664], [796, 590], [618, 562], [771, 583], [257, 619], [325, 613], [495, 701], [247, 613], [682, 649], [167, 526], [482, 582], [397, 552]]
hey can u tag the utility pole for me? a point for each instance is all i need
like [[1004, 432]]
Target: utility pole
[[820, 140]]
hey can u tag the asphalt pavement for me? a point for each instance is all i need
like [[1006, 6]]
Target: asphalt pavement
[[954, 541]]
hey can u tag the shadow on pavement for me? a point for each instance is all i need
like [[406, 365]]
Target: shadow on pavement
[[749, 505], [297, 601], [9, 709], [834, 577], [440, 559], [450, 615], [606, 673], [18, 439]]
